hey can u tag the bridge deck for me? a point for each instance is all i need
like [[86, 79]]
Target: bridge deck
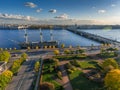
[[94, 37]]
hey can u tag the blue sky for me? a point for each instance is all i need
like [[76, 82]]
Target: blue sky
[[103, 11]]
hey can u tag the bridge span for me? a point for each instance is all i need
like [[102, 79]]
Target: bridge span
[[94, 37]]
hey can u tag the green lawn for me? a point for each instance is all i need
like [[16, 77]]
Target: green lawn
[[49, 76], [79, 82], [87, 64], [70, 57]]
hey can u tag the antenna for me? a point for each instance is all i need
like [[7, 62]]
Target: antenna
[[41, 37], [26, 36]]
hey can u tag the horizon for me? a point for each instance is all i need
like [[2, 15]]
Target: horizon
[[99, 12]]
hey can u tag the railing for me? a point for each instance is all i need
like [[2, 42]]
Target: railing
[[39, 75]]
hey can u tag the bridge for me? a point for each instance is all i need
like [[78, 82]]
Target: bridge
[[94, 37]]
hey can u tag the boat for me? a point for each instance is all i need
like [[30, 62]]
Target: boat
[[41, 44]]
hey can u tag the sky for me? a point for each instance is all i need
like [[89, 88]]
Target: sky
[[60, 11]]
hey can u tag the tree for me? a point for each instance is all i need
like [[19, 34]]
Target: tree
[[24, 56], [112, 80], [70, 46], [108, 65], [56, 52], [5, 78], [5, 56], [62, 45], [37, 65], [1, 49], [28, 48], [36, 47], [67, 51], [14, 48]]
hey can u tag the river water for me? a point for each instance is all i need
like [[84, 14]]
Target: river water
[[113, 34], [11, 38]]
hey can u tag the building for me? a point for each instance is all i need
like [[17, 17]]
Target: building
[[3, 66]]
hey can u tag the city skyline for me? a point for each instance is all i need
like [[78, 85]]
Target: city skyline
[[60, 11]]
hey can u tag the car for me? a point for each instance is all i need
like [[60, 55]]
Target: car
[[26, 59], [14, 55]]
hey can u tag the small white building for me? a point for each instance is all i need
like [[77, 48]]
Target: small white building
[[3, 66]]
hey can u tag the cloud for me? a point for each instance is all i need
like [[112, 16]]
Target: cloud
[[11, 16], [101, 11], [63, 16], [113, 5], [38, 10], [30, 4], [52, 10]]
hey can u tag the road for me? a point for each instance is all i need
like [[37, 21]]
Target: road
[[25, 76]]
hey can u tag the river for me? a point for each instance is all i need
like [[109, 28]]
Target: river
[[11, 38]]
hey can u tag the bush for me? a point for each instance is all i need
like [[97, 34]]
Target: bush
[[69, 66], [47, 86], [36, 66], [75, 63], [70, 71], [51, 69], [108, 65], [74, 69], [59, 74], [109, 53], [80, 51]]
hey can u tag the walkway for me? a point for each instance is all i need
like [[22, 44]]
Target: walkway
[[65, 78]]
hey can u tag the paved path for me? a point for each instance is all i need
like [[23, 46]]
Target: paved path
[[25, 77], [65, 78]]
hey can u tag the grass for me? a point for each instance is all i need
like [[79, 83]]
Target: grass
[[49, 76], [79, 82], [70, 57], [87, 64]]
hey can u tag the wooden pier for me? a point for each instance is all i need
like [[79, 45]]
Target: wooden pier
[[94, 37]]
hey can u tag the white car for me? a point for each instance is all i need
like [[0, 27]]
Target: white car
[[26, 59]]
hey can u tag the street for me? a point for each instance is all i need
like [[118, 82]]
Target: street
[[25, 76]]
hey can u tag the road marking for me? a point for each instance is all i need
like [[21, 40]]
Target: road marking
[[21, 83]]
